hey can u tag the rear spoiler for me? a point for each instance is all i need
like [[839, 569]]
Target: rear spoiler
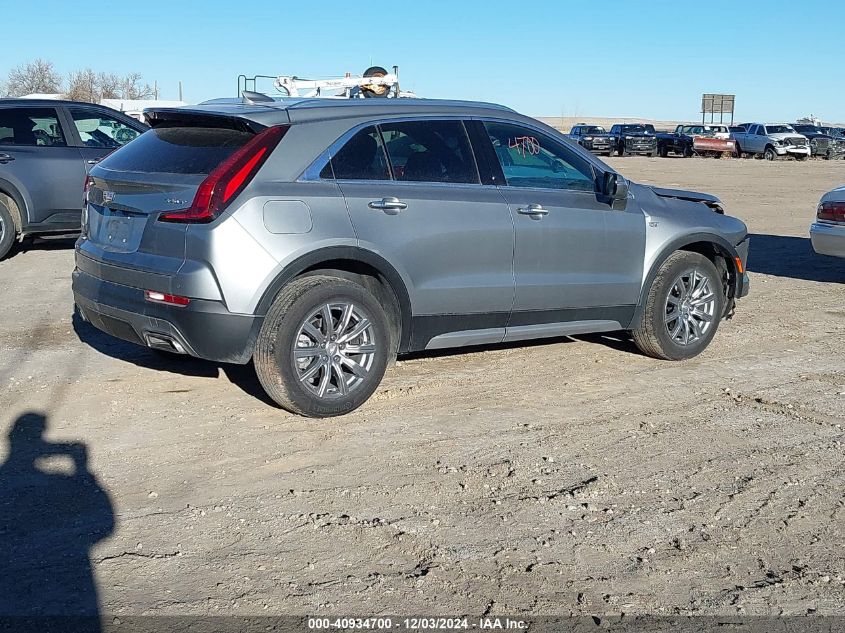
[[188, 117]]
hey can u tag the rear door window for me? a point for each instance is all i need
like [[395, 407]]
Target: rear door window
[[530, 159], [98, 129], [361, 158], [34, 127], [178, 150], [430, 151]]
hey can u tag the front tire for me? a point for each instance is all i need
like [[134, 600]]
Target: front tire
[[323, 347], [683, 308], [7, 231], [770, 153]]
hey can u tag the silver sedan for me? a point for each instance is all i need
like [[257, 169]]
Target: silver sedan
[[827, 233]]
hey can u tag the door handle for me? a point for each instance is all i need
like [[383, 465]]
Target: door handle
[[6, 158], [536, 211], [391, 206], [93, 161]]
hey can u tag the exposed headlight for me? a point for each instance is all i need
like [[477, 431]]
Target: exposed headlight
[[588, 138], [628, 138]]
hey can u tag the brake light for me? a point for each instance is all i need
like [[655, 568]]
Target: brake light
[[161, 297], [831, 211], [228, 179]]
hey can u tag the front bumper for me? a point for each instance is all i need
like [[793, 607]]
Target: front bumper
[[203, 328], [743, 284], [641, 146], [793, 150], [601, 147], [828, 239]]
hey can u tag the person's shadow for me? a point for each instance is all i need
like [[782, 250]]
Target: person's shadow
[[52, 512]]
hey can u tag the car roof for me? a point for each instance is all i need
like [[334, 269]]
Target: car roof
[[293, 110], [50, 102]]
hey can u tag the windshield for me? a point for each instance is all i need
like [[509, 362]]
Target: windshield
[[594, 129], [806, 128], [638, 129], [779, 129]]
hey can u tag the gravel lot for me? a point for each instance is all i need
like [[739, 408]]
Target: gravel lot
[[564, 477]]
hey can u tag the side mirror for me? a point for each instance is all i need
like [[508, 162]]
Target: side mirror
[[614, 187]]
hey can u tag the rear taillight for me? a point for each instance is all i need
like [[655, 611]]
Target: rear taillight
[[228, 179], [831, 211]]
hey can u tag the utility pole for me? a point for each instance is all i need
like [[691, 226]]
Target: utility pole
[[155, 90], [180, 90]]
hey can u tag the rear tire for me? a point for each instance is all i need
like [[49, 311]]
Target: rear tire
[[304, 360], [7, 231], [738, 151], [683, 308]]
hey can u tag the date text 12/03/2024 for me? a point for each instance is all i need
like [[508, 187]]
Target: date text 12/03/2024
[[417, 623]]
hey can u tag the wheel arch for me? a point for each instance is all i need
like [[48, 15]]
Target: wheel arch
[[356, 264], [714, 247], [8, 191]]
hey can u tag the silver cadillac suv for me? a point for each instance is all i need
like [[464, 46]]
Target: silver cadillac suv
[[320, 238]]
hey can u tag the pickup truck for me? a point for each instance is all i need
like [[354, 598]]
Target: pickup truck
[[593, 138], [688, 140], [634, 138], [771, 140], [822, 143]]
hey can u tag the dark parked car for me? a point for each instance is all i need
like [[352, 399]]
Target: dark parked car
[[46, 150], [822, 143], [321, 237], [593, 138], [634, 138]]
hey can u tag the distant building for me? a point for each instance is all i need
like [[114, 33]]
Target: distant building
[[44, 95], [810, 120]]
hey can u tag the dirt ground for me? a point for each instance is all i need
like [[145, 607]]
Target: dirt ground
[[564, 477]]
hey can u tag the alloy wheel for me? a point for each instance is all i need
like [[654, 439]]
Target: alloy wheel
[[690, 307], [335, 349]]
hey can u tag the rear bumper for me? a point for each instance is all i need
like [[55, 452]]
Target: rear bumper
[[828, 239], [203, 328]]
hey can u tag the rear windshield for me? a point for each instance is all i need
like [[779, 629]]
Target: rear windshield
[[177, 150]]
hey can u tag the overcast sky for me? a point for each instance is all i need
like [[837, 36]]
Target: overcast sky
[[650, 59]]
